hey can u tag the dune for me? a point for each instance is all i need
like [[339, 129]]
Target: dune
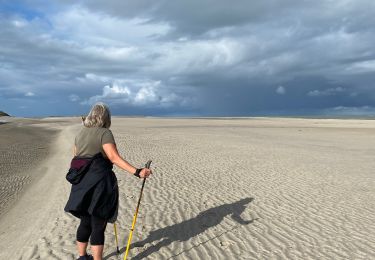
[[255, 188], [3, 113], [22, 147]]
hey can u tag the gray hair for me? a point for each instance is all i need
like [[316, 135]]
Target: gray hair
[[99, 116]]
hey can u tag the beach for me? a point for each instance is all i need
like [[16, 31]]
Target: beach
[[22, 147], [222, 188]]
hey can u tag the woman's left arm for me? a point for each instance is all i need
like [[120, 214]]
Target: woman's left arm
[[114, 156]]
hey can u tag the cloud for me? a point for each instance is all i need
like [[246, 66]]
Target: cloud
[[29, 94], [366, 66], [280, 90], [209, 57], [111, 94], [100, 29], [74, 98], [325, 92], [138, 94], [19, 22], [196, 17], [351, 111]]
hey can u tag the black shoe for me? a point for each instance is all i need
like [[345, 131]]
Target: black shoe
[[86, 257]]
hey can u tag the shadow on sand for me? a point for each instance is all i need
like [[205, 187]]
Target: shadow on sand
[[187, 229]]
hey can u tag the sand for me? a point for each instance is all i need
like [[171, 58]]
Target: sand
[[250, 188], [22, 147]]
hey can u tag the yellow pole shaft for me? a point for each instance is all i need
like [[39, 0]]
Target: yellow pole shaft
[[114, 226], [136, 214], [131, 234]]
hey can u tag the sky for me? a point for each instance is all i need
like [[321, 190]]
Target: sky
[[188, 57]]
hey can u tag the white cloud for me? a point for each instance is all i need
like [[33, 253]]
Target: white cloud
[[145, 95], [19, 23], [138, 94], [351, 111], [116, 91], [315, 93], [326, 92], [112, 94], [362, 67], [280, 90], [74, 98], [111, 53], [92, 77], [29, 94]]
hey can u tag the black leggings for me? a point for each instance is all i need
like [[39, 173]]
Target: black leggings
[[92, 227]]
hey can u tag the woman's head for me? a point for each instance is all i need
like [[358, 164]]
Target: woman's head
[[99, 116]]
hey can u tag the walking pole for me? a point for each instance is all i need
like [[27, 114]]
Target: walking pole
[[136, 214], [114, 226]]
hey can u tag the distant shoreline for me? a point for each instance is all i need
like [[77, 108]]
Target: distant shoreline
[[216, 117], [6, 119]]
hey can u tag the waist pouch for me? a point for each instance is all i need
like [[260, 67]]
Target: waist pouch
[[79, 167]]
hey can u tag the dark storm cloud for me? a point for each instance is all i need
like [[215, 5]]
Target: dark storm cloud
[[196, 17], [190, 57], [190, 17]]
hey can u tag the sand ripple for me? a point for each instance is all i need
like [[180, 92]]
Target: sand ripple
[[21, 149]]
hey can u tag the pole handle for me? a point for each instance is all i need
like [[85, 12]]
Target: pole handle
[[148, 164]]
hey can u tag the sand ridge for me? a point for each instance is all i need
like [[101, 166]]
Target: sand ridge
[[23, 146], [227, 189]]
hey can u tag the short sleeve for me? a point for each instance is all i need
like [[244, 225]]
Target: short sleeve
[[107, 137]]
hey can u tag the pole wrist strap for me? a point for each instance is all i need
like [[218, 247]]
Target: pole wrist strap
[[137, 172]]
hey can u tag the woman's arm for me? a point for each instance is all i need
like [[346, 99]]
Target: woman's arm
[[113, 155]]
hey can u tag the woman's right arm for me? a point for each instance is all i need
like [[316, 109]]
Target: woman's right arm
[[113, 155]]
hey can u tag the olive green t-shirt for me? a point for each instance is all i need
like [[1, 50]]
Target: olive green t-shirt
[[89, 141]]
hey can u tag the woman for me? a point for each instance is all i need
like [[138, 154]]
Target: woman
[[94, 198]]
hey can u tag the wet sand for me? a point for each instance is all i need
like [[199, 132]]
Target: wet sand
[[255, 188]]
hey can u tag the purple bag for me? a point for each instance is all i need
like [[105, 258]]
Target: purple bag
[[79, 167]]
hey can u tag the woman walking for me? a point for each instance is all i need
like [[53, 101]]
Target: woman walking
[[94, 194]]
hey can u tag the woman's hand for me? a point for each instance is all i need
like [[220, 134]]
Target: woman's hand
[[145, 173]]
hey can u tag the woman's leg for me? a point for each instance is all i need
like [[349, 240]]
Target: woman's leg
[[82, 248], [83, 234], [97, 252], [97, 237]]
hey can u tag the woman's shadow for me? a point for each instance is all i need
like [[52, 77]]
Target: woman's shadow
[[187, 229]]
